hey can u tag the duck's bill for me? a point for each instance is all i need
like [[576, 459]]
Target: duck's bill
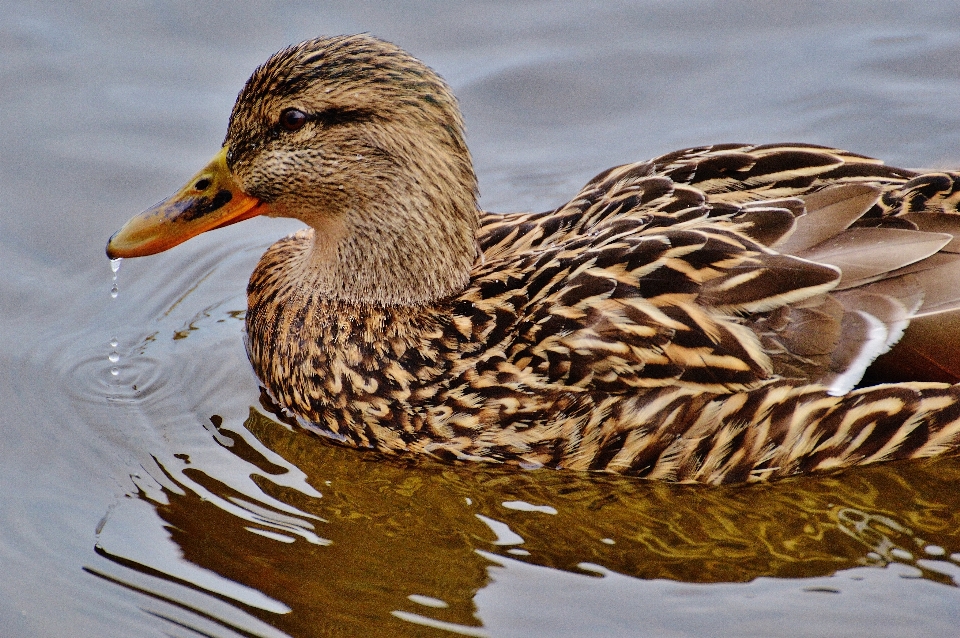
[[212, 199]]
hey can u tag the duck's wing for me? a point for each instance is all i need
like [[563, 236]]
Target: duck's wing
[[671, 187], [738, 173], [719, 268], [742, 172], [621, 309]]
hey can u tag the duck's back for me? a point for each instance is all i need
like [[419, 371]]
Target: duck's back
[[824, 256]]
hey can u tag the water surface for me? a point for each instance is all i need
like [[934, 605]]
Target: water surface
[[167, 500]]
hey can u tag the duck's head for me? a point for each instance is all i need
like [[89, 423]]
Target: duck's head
[[359, 140]]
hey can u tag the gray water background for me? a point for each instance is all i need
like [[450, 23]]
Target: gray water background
[[106, 107]]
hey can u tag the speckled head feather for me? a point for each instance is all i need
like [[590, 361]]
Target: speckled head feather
[[374, 117], [354, 64]]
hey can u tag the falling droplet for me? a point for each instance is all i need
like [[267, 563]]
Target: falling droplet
[[114, 356]]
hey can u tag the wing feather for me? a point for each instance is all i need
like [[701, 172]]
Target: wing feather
[[721, 268]]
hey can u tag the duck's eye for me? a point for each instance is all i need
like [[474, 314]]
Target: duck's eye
[[293, 120]]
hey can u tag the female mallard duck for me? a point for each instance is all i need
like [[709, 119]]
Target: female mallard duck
[[705, 316]]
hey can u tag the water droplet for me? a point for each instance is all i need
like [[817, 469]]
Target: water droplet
[[114, 291], [115, 371], [115, 264], [114, 357], [114, 343]]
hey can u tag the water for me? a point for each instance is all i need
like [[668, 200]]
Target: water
[[153, 495]]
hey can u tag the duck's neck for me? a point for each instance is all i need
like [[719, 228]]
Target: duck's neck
[[384, 266], [403, 250]]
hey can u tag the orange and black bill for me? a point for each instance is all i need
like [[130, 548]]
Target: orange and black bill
[[212, 199]]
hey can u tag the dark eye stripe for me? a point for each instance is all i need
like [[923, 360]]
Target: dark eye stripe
[[335, 116], [294, 119]]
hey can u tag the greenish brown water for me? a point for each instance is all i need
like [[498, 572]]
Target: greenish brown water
[[166, 500]]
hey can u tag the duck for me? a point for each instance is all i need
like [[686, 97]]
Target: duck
[[730, 313]]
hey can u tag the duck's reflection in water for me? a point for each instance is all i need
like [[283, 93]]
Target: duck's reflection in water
[[294, 534]]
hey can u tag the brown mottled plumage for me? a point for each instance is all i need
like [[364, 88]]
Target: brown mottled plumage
[[705, 316]]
